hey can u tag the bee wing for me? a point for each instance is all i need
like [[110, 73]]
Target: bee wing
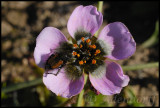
[[59, 63], [52, 60]]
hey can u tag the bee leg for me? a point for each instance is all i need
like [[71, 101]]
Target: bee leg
[[58, 71], [45, 74]]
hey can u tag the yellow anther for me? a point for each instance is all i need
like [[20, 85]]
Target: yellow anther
[[84, 61], [74, 53], [80, 45], [83, 39], [93, 61], [75, 45], [97, 51], [88, 40], [94, 46], [81, 62], [78, 55]]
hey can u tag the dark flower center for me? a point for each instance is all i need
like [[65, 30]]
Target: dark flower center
[[86, 52], [87, 55]]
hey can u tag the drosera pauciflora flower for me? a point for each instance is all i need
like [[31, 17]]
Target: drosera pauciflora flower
[[65, 63]]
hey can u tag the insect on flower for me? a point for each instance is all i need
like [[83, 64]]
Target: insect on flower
[[66, 62], [60, 58]]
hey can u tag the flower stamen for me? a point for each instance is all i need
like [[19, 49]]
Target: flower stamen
[[80, 45], [94, 46], [88, 40], [74, 53], [97, 51], [81, 62], [78, 55], [75, 45], [93, 61], [83, 39]]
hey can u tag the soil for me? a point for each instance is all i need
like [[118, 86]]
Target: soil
[[21, 23]]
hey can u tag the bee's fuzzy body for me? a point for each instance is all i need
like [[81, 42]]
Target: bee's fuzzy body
[[79, 58], [61, 56]]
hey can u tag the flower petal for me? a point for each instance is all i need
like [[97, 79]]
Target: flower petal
[[112, 81], [48, 40], [85, 18], [62, 86], [118, 38]]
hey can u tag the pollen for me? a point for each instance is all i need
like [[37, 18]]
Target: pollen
[[81, 62], [84, 61], [93, 61], [75, 45], [83, 39], [74, 53], [88, 40], [78, 55], [80, 45], [97, 51], [94, 46]]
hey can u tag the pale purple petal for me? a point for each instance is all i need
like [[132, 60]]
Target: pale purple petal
[[119, 40], [112, 81], [48, 40], [85, 18], [63, 86]]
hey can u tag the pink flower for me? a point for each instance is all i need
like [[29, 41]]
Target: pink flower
[[114, 42]]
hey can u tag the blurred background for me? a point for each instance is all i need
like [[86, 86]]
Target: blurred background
[[21, 22]]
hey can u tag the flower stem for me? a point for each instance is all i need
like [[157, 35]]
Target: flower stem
[[100, 7], [141, 66], [80, 98]]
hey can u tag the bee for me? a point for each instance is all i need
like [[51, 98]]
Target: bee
[[84, 55], [54, 62], [60, 58]]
